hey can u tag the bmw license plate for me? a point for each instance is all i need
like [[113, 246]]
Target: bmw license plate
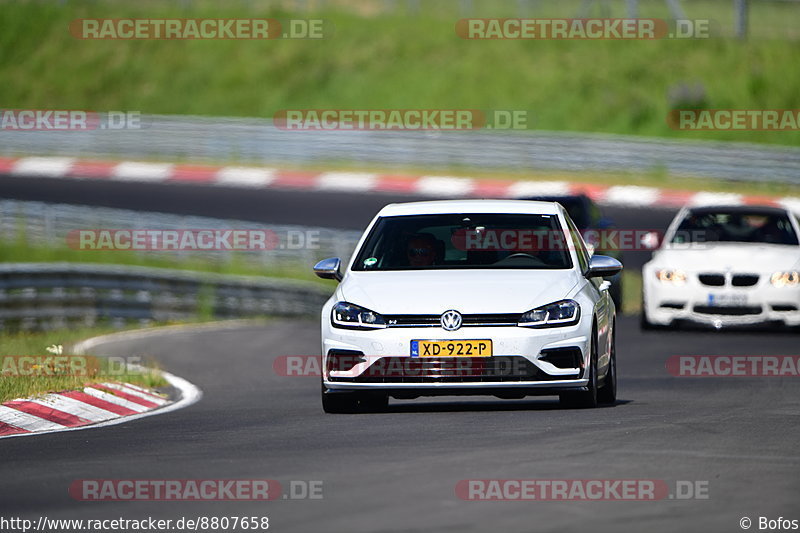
[[476, 348], [727, 300]]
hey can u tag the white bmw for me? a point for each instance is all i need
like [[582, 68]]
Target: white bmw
[[725, 266], [464, 297]]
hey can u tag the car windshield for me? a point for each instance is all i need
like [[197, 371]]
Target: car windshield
[[736, 226], [464, 241]]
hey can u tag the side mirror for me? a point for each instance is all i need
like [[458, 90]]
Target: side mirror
[[650, 240], [329, 269], [602, 266]]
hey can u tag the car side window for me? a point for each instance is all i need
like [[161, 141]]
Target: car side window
[[580, 248]]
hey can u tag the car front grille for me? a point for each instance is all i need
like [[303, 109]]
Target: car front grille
[[451, 370], [733, 310], [744, 280], [712, 280], [431, 321], [736, 280]]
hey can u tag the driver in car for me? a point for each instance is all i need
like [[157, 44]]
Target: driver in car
[[421, 250]]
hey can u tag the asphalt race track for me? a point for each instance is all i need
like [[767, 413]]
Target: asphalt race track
[[397, 471]]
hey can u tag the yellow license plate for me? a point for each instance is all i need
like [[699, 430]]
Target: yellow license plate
[[477, 348]]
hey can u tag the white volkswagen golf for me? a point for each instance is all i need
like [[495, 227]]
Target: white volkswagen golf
[[465, 297]]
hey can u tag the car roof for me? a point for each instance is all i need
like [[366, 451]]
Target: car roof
[[437, 207]]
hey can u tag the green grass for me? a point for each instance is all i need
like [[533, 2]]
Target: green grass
[[391, 60], [20, 250], [631, 292], [18, 380]]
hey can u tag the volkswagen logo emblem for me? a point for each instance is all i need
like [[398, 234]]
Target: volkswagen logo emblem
[[451, 320]]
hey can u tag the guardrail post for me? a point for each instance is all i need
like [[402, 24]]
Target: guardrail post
[[633, 8], [676, 9], [741, 9]]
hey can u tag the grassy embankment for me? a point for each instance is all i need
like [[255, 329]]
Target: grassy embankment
[[392, 60]]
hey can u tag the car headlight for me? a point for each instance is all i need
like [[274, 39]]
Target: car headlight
[[349, 316], [669, 275], [563, 313], [785, 279]]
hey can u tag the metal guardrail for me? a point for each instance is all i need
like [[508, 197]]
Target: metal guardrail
[[58, 295], [257, 141], [43, 224]]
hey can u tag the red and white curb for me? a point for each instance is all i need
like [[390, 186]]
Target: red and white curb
[[97, 405], [362, 182], [99, 402]]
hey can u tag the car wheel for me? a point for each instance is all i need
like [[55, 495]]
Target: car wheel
[[585, 399], [373, 403], [608, 392], [616, 295], [644, 323], [339, 402]]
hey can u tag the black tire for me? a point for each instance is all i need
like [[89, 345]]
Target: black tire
[[373, 403], [584, 399], [338, 403], [644, 323], [353, 402], [616, 294], [608, 392]]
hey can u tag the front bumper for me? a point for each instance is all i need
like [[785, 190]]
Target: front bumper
[[524, 361], [693, 302]]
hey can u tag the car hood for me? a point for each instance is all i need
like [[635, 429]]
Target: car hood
[[466, 291], [738, 257]]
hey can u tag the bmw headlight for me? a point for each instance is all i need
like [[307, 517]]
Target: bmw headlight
[[563, 313], [668, 275], [349, 316], [785, 279]]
